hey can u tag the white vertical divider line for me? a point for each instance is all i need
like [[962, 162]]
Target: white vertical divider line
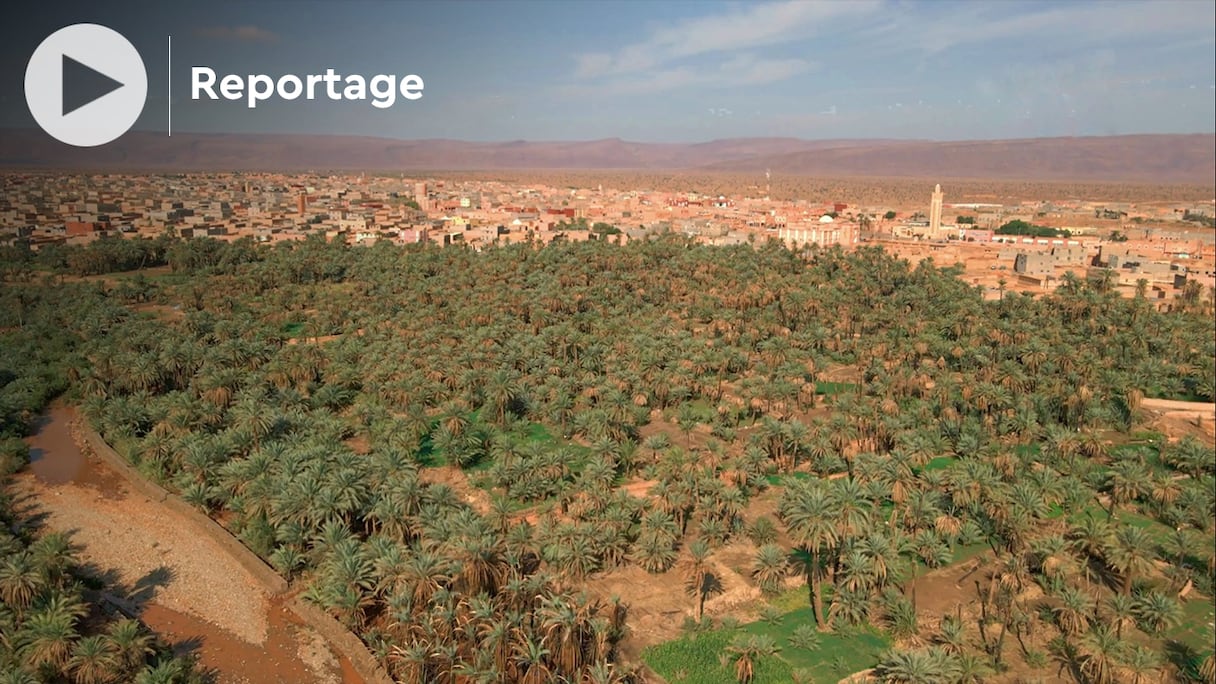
[[170, 83]]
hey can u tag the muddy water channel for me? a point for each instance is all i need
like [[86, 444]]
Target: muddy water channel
[[180, 582], [54, 456]]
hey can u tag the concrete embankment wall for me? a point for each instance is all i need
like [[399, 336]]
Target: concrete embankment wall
[[342, 640], [266, 576]]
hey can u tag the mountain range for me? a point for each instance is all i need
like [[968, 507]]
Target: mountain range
[[1166, 159]]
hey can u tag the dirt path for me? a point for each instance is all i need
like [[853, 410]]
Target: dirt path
[[181, 583], [1172, 405], [1181, 418]]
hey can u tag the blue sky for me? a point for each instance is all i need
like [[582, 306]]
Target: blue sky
[[681, 71]]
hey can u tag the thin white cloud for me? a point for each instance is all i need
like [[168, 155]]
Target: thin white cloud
[[754, 26], [1079, 23], [770, 42], [738, 71], [239, 34]]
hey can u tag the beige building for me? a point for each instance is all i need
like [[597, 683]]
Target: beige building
[[823, 233]]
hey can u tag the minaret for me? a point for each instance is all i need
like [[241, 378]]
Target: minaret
[[768, 176], [420, 196], [935, 212]]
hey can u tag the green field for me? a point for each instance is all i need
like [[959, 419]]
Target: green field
[[293, 329], [695, 659], [830, 388], [1196, 629], [939, 463], [779, 479]]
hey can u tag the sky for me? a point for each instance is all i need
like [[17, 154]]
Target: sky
[[685, 71]]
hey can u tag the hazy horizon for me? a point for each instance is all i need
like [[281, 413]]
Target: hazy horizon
[[637, 141]]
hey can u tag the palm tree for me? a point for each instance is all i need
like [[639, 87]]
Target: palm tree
[[20, 580], [95, 660], [1207, 669], [479, 558], [920, 666], [167, 671], [426, 572], [531, 658], [696, 573], [809, 513], [1128, 481], [503, 392], [1121, 612], [1101, 651], [973, 669], [1130, 553], [688, 419], [854, 507], [411, 662], [930, 550], [1141, 665], [747, 650], [1073, 613], [772, 564], [55, 554], [952, 634], [856, 570], [656, 443], [46, 639], [1157, 611], [655, 553], [132, 643], [18, 675], [1091, 536]]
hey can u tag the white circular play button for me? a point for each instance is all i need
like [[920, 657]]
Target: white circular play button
[[85, 85]]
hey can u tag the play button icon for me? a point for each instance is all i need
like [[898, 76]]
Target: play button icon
[[82, 85], [85, 85]]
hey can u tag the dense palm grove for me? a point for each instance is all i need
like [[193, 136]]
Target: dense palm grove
[[301, 394], [54, 624]]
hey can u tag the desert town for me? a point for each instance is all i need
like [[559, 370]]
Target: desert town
[[1148, 248]]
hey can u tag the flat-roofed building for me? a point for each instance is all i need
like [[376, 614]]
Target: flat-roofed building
[[1027, 263]]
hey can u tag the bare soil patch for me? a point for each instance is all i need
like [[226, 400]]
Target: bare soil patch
[[658, 604], [638, 489], [697, 439], [161, 311], [182, 584], [840, 373], [1177, 419], [459, 482]]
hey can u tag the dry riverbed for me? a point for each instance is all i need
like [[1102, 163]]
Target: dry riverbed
[[182, 583]]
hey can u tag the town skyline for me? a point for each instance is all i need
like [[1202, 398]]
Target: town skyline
[[1030, 237]]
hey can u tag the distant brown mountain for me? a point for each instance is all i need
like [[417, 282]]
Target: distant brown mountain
[[193, 151], [1158, 158], [1166, 159]]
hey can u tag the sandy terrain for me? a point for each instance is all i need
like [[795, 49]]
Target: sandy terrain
[[1181, 418], [152, 550], [1170, 406], [179, 582]]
